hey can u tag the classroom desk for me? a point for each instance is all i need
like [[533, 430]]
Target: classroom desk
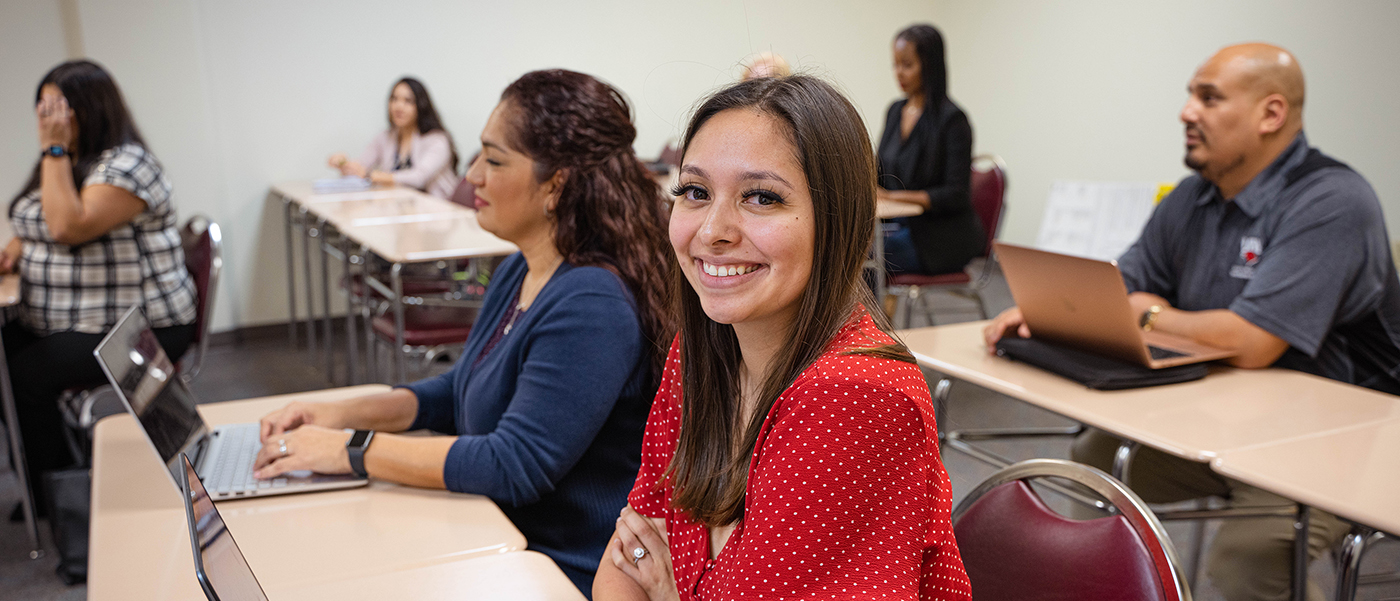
[[384, 209], [886, 209], [399, 225], [1228, 410], [523, 575], [1253, 425], [1352, 473], [453, 238], [9, 297], [140, 547], [893, 209]]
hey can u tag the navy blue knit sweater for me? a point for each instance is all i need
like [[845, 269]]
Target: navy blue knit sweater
[[549, 422]]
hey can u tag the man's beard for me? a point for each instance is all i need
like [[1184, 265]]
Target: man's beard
[[1193, 164]]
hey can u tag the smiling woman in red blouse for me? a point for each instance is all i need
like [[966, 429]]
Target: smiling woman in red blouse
[[791, 450]]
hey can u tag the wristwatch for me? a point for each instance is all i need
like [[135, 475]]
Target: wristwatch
[[1149, 318], [53, 151], [355, 448]]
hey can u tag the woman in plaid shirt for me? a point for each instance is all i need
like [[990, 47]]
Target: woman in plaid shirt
[[94, 234]]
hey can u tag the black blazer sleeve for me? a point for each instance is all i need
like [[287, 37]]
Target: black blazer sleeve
[[952, 195]]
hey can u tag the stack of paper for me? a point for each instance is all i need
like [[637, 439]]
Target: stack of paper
[[348, 183]]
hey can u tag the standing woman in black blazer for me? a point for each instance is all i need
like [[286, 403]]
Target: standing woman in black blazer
[[925, 159]]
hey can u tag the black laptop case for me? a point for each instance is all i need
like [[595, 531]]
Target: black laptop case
[[1095, 371]]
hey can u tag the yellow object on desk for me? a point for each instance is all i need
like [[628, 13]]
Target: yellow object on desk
[[1162, 191]]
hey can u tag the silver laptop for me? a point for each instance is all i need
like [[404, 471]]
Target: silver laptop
[[1083, 303], [163, 405], [219, 565]]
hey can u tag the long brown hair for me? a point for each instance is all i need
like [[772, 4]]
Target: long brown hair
[[609, 212], [428, 119], [99, 112], [708, 472]]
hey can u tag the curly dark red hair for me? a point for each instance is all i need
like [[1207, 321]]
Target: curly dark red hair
[[610, 211]]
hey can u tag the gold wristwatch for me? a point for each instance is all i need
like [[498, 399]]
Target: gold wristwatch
[[1149, 318]]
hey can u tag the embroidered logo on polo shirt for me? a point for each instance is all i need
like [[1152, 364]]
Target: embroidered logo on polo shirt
[[1251, 250]]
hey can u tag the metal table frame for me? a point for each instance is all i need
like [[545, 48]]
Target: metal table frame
[[26, 500], [332, 244], [1122, 461]]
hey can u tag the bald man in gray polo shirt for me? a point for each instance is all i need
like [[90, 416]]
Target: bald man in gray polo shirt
[[1272, 249]]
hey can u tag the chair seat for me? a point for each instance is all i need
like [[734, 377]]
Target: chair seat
[[429, 325], [956, 278]]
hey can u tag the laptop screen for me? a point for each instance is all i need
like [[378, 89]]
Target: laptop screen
[[135, 364], [218, 563]]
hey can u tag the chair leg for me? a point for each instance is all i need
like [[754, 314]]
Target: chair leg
[[1198, 545], [901, 312], [926, 307], [981, 306], [1354, 546]]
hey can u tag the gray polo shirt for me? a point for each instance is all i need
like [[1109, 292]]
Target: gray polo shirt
[[1301, 252]]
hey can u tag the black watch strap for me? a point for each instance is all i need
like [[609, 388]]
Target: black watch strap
[[355, 448], [53, 151]]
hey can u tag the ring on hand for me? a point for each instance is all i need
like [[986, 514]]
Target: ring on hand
[[282, 447], [638, 554]]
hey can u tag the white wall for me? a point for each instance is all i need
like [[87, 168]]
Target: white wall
[[233, 96], [31, 42], [1091, 89]]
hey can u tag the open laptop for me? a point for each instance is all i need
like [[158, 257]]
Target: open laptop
[[219, 565], [1083, 303], [164, 407]]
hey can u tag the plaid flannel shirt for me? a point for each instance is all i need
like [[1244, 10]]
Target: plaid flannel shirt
[[86, 288]]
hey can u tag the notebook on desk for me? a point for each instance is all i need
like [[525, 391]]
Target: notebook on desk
[[1083, 304], [164, 408], [333, 185]]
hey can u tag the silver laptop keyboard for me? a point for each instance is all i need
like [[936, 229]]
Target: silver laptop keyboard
[[232, 470]]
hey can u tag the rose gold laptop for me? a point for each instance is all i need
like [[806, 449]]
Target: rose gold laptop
[[1083, 303]]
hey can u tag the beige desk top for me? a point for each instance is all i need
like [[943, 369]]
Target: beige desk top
[[457, 236], [1229, 409], [140, 547], [890, 209], [9, 290], [523, 575], [1353, 473], [382, 210]]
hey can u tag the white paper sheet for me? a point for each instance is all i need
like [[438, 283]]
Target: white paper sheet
[[1099, 220]]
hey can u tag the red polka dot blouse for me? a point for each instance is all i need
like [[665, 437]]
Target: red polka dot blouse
[[847, 497]]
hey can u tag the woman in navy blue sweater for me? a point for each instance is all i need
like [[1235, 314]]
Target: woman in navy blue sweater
[[549, 400]]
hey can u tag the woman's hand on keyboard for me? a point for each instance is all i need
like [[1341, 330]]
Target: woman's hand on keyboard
[[309, 447], [296, 415]]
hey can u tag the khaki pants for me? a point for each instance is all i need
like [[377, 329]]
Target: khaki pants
[[1251, 558]]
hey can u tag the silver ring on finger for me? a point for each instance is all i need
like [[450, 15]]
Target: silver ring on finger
[[638, 554], [282, 447]]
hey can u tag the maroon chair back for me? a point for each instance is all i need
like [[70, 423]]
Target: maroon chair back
[[465, 193], [1015, 547], [670, 155], [988, 190], [199, 252], [203, 244]]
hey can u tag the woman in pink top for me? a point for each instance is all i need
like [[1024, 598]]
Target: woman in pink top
[[416, 151]]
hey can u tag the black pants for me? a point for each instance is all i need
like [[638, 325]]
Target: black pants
[[41, 368]]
